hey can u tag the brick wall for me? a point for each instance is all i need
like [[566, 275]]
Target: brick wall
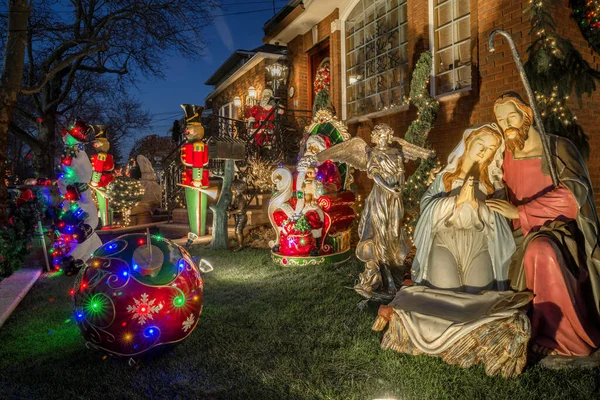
[[298, 58], [492, 74], [255, 77]]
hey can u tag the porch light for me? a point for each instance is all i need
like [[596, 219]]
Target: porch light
[[252, 92], [278, 74], [237, 101]]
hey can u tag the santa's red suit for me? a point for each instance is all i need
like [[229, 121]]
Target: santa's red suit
[[260, 114]]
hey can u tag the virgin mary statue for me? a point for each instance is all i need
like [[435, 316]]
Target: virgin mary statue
[[460, 309], [461, 244]]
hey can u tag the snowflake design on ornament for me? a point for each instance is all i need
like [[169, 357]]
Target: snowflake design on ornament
[[187, 324], [143, 309]]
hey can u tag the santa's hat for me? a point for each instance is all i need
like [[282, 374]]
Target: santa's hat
[[322, 141]]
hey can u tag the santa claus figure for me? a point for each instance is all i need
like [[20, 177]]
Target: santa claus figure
[[312, 181], [261, 116]]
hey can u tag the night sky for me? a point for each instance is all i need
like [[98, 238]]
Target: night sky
[[184, 82]]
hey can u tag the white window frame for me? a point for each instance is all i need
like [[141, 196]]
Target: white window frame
[[233, 114], [343, 19], [432, 32]]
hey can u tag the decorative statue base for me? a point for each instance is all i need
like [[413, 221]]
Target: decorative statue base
[[311, 211]]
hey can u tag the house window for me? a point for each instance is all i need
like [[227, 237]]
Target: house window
[[227, 123], [376, 56], [451, 24]]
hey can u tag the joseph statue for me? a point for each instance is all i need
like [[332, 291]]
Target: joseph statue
[[555, 230]]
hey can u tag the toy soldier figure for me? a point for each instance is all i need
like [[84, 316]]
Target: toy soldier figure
[[194, 154], [103, 166]]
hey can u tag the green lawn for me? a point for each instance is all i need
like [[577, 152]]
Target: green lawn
[[266, 333]]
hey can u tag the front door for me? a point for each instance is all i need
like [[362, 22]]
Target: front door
[[317, 57]]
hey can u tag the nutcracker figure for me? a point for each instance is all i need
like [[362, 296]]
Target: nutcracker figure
[[102, 173], [194, 155]]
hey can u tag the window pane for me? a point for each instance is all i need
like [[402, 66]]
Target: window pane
[[463, 77], [461, 8], [444, 37], [444, 83], [452, 47], [462, 54], [377, 56], [462, 30], [443, 14]]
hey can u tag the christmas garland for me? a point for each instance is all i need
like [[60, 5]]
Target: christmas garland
[[16, 237], [427, 108]]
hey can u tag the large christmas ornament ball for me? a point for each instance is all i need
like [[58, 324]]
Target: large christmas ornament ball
[[133, 296]]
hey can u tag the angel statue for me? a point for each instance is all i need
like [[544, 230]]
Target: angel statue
[[383, 241]]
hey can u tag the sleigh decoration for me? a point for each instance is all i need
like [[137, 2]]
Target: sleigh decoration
[[311, 210]]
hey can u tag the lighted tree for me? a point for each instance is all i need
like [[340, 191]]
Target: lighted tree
[[556, 70], [124, 193]]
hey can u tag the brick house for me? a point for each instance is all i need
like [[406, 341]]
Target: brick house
[[242, 70], [372, 46]]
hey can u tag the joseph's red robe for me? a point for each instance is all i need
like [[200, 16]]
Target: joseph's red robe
[[558, 315]]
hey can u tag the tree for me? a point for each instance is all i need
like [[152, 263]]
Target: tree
[[10, 83], [153, 147], [556, 70], [125, 39], [94, 100]]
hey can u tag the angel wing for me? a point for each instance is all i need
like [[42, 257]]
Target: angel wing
[[412, 152], [354, 152]]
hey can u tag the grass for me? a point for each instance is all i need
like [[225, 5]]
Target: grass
[[265, 333]]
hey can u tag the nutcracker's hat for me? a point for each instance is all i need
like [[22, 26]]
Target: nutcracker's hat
[[99, 130], [193, 113]]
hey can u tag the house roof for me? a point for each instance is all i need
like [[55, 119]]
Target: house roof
[[238, 59], [272, 24], [298, 17]]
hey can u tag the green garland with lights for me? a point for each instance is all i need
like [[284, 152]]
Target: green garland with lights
[[417, 133], [16, 237], [556, 70]]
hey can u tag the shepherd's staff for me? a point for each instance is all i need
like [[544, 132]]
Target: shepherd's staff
[[532, 102]]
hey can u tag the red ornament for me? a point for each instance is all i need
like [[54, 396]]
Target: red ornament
[[137, 310], [25, 197], [298, 244]]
